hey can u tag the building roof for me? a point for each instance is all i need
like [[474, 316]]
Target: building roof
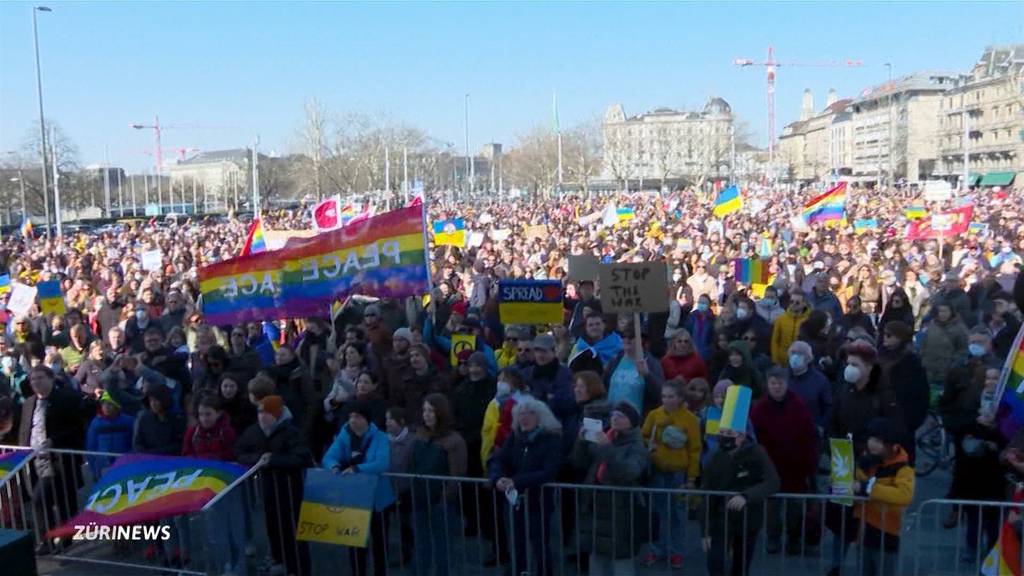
[[998, 61], [938, 81], [213, 156]]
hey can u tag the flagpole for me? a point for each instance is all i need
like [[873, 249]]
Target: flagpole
[[558, 133]]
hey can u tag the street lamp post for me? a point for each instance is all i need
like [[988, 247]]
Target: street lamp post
[[42, 121]]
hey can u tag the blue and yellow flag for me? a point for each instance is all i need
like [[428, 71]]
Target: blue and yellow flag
[[336, 509], [451, 232], [729, 200], [530, 301], [11, 460], [5, 284], [51, 298], [735, 409]]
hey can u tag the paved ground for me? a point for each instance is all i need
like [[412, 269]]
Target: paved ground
[[934, 548]]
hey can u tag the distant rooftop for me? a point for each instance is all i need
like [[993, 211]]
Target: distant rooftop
[[238, 155], [937, 80]]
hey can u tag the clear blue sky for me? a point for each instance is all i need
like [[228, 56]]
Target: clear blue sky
[[252, 64]]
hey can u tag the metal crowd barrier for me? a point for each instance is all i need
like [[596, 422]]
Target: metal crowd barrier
[[443, 525]]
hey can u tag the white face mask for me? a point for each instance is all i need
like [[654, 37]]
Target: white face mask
[[503, 388], [851, 374], [742, 313], [141, 315]]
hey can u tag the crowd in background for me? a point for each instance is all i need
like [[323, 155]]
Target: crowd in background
[[858, 333]]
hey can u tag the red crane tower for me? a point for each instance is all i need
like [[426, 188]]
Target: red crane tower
[[157, 128], [770, 65]]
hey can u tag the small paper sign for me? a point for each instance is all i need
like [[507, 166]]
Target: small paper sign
[[152, 260], [22, 298]]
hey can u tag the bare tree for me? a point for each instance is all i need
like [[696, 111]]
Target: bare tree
[[73, 190], [581, 151], [532, 164], [314, 135], [616, 155]]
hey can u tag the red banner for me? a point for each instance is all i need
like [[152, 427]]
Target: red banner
[[956, 222]]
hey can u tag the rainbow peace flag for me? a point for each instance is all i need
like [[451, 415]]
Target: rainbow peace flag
[[1011, 383], [728, 201], [826, 207], [5, 284], [915, 212], [51, 298], [450, 232], [254, 241], [383, 256], [11, 460], [751, 270], [141, 488]]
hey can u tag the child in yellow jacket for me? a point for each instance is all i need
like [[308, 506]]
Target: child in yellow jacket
[[673, 435], [884, 475]]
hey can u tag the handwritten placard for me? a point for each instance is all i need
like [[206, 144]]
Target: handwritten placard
[[583, 267], [639, 287]]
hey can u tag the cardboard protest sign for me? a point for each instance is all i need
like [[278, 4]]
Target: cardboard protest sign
[[530, 301], [152, 260], [461, 342], [534, 232], [500, 235], [638, 287], [22, 298], [583, 267]]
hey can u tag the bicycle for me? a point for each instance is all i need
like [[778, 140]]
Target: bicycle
[[934, 446]]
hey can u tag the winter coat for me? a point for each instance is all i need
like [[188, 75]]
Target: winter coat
[[469, 405], [815, 390], [375, 458], [413, 388], [826, 302], [770, 313], [701, 326], [688, 367], [653, 381], [746, 375], [604, 517], [108, 434], [596, 408], [944, 344], [667, 459], [852, 409], [432, 455], [957, 300], [747, 470], [553, 386], [784, 333], [762, 330], [530, 460], [890, 488], [215, 443], [400, 451], [909, 384], [286, 445], [156, 435], [786, 431], [295, 388], [961, 394]]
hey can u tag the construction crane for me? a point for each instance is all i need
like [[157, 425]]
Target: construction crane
[[770, 64], [157, 128]]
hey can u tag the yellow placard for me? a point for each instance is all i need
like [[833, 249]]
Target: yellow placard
[[461, 342], [331, 525]]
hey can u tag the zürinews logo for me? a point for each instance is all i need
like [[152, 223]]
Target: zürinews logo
[[93, 532]]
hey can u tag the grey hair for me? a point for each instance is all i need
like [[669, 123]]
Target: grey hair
[[547, 420], [802, 348]]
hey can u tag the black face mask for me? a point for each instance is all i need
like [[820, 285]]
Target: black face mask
[[727, 443], [869, 461]]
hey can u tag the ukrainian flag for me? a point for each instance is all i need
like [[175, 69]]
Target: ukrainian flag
[[624, 214], [336, 509], [5, 284], [915, 212], [51, 298], [728, 201], [450, 232]]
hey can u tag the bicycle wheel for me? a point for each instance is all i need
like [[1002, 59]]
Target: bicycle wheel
[[931, 447]]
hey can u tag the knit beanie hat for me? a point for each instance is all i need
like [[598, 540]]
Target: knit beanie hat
[[362, 408], [628, 411]]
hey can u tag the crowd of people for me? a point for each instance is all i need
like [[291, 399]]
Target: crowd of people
[[858, 335]]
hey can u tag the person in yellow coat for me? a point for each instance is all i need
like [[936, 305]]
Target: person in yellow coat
[[673, 436], [787, 327], [884, 475]]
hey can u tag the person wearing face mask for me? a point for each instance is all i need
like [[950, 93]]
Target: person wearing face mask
[[864, 394], [962, 390], [730, 524], [701, 326], [885, 476], [136, 326], [809, 383], [745, 320], [786, 328], [769, 308]]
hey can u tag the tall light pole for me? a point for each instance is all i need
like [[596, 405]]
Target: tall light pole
[[469, 159], [255, 178], [888, 67], [42, 121]]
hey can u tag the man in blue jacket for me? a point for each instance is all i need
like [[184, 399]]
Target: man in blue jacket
[[360, 448]]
